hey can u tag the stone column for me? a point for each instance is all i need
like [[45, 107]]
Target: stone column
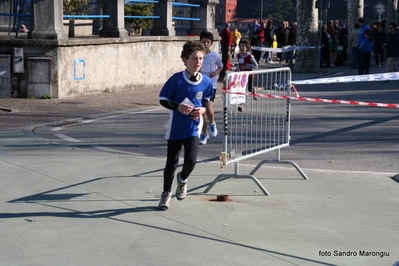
[[206, 12], [47, 20], [163, 26], [115, 25], [5, 21]]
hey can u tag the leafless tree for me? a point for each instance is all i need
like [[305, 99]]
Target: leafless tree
[[392, 10], [307, 60]]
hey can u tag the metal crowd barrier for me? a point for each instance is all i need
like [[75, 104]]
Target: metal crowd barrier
[[255, 122]]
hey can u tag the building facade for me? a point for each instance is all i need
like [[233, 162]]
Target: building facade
[[226, 11]]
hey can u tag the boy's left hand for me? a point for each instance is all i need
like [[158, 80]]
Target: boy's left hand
[[197, 112]]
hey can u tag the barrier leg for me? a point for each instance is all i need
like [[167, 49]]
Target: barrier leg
[[227, 176], [280, 162]]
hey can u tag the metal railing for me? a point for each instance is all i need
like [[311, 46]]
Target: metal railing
[[256, 122]]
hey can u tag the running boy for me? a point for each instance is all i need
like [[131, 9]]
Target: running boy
[[186, 94], [211, 67]]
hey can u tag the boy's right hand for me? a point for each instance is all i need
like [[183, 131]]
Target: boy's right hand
[[184, 108]]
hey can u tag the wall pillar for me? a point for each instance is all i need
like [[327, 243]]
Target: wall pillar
[[115, 25], [206, 12], [163, 26], [47, 20]]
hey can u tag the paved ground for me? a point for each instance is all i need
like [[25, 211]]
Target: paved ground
[[68, 206]]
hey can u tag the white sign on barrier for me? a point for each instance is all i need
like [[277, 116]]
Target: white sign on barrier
[[239, 83]]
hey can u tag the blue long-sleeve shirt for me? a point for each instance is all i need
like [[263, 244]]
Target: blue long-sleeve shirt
[[362, 30], [366, 46]]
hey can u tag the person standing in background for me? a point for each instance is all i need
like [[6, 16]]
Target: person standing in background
[[268, 34], [352, 43], [324, 51], [332, 45], [392, 47], [365, 49], [262, 39], [363, 28], [236, 36], [226, 43], [255, 41], [379, 39]]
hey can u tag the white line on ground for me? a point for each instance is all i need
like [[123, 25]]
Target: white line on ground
[[65, 137]]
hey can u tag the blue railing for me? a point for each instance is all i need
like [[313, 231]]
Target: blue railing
[[174, 4], [86, 16]]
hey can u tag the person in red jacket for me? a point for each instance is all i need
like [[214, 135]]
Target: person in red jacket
[[226, 43]]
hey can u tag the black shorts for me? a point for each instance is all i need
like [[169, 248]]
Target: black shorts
[[214, 95]]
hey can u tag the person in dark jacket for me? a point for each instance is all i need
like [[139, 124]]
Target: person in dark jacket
[[268, 34], [284, 37], [392, 47], [379, 39], [256, 41], [324, 51]]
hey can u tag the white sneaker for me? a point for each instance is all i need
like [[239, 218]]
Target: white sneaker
[[181, 190], [164, 201], [214, 130], [203, 139]]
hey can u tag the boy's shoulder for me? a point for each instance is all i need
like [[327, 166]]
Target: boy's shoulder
[[213, 54]]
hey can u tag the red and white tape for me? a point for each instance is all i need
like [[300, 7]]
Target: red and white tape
[[317, 100]]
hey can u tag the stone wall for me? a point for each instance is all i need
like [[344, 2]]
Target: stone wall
[[94, 65]]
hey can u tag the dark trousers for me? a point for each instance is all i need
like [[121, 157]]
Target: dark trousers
[[225, 58], [266, 55], [355, 55], [324, 57], [378, 55], [364, 65], [172, 160], [250, 84], [257, 55]]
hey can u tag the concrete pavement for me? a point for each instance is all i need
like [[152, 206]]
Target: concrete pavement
[[63, 205], [66, 206]]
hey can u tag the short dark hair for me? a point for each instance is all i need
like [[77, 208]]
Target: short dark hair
[[361, 20], [393, 24], [191, 47], [207, 35]]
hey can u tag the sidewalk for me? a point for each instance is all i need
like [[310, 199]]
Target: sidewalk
[[67, 206]]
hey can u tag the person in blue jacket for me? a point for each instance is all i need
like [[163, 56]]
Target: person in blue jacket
[[365, 49], [363, 28], [186, 94]]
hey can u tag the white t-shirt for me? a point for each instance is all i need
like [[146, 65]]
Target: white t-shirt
[[211, 62]]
